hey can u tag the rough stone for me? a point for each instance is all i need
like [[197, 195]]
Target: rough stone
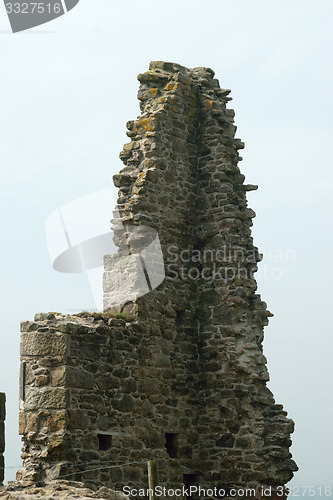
[[45, 398], [183, 380], [2, 435], [57, 490], [42, 344]]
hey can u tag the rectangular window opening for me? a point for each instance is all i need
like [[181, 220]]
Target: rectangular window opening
[[171, 444], [104, 441], [180, 317], [190, 480]]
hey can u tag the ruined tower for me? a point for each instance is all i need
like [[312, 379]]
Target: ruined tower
[[179, 376], [2, 434]]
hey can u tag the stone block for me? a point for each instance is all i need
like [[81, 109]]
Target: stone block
[[45, 398], [2, 437], [2, 469], [57, 421], [43, 344], [124, 280], [22, 422], [185, 377], [41, 380], [28, 422], [78, 419], [28, 326], [2, 406]]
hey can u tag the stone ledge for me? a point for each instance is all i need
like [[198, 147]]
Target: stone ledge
[[56, 490]]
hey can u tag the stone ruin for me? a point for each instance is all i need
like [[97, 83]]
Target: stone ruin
[[2, 434], [176, 375]]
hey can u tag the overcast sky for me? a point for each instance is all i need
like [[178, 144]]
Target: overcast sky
[[67, 90]]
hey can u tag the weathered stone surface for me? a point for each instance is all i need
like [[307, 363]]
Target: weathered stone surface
[[2, 406], [42, 344], [78, 377], [184, 379], [125, 280], [2, 435], [45, 398], [57, 490], [2, 469]]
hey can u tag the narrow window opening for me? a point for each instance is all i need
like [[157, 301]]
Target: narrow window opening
[[190, 480], [179, 317], [104, 441], [23, 374], [171, 444]]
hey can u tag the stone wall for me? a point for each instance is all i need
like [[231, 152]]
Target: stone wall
[[57, 490], [185, 380], [2, 435], [182, 179], [81, 394]]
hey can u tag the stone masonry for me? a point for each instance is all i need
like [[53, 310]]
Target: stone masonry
[[179, 376], [57, 490], [2, 434]]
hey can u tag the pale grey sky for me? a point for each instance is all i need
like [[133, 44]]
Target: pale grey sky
[[67, 90]]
